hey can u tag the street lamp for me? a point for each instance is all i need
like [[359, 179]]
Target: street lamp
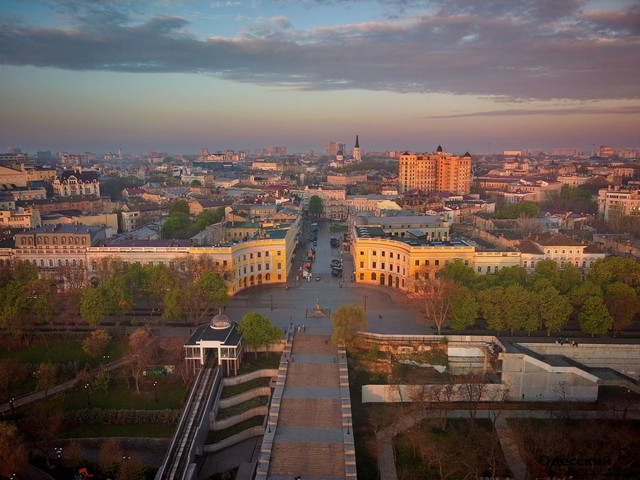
[[13, 413], [155, 387], [365, 303], [58, 451], [86, 389], [272, 303]]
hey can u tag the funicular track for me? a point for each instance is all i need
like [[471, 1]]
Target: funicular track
[[180, 450]]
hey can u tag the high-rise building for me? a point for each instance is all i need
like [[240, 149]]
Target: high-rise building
[[357, 155], [439, 171], [333, 148]]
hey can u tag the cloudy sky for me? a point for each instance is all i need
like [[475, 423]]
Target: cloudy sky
[[180, 75]]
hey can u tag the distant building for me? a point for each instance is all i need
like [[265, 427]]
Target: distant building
[[357, 155], [439, 171], [617, 201], [76, 182], [333, 148]]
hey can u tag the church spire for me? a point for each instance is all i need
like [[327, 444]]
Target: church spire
[[357, 143]]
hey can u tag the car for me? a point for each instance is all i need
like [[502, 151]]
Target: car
[[317, 278], [336, 263]]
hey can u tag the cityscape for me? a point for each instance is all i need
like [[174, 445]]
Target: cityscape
[[260, 240]]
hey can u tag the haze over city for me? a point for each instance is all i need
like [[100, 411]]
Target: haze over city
[[177, 76]]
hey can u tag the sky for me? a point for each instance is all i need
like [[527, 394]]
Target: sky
[[180, 75]]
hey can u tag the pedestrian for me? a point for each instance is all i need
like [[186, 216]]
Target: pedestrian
[[380, 316], [304, 327]]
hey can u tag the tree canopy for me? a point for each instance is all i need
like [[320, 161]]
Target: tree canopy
[[257, 331], [518, 210], [347, 321], [315, 205]]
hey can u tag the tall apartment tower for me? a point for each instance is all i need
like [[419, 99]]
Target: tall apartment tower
[[357, 155], [332, 148], [439, 171]]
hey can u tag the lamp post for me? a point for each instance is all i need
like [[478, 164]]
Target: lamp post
[[365, 302], [58, 451], [86, 389], [13, 413], [272, 303], [155, 387]]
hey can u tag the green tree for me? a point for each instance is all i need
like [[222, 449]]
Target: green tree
[[347, 321], [459, 272], [547, 269], [622, 303], [594, 317], [492, 307], [179, 206], [196, 183], [315, 206], [95, 345], [464, 309], [569, 276], [93, 306], [552, 309], [159, 281], [615, 269], [176, 223], [102, 380], [257, 331], [195, 300], [119, 297], [518, 210], [584, 290], [511, 276], [517, 310]]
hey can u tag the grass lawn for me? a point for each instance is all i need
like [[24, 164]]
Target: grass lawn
[[233, 390], [215, 437], [170, 395], [147, 430], [62, 351], [242, 407]]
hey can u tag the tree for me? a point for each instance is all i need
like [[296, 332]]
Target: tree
[[13, 454], [459, 272], [96, 343], [517, 210], [159, 281], [257, 331], [179, 206], [177, 222], [140, 354], [196, 299], [612, 269], [93, 306], [594, 317], [517, 310], [46, 377], [433, 297], [623, 304], [552, 309], [464, 309], [110, 456], [568, 277], [347, 321], [119, 296], [315, 205], [492, 307]]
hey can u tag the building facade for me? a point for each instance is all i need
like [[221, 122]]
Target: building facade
[[618, 201], [439, 171]]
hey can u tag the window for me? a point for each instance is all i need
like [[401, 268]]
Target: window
[[373, 276], [436, 262], [59, 262], [362, 276], [466, 262], [266, 266], [224, 263], [383, 253], [266, 254], [278, 253], [488, 269], [251, 256], [279, 266], [417, 263], [279, 276], [479, 269], [251, 268], [244, 270], [373, 264], [361, 264], [426, 262], [375, 253], [50, 263], [259, 254], [259, 267], [361, 252], [382, 265]]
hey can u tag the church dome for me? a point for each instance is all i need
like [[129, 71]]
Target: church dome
[[439, 149], [220, 322]]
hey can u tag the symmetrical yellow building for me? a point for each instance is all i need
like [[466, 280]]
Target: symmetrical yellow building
[[439, 171]]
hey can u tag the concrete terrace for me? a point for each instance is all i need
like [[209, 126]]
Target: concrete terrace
[[309, 431]]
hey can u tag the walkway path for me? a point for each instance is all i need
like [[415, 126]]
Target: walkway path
[[313, 436]]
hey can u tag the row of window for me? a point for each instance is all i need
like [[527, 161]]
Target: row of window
[[72, 240]]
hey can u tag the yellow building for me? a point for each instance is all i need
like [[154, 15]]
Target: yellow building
[[439, 171], [387, 254]]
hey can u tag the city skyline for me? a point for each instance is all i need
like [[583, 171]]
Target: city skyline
[[403, 75]]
